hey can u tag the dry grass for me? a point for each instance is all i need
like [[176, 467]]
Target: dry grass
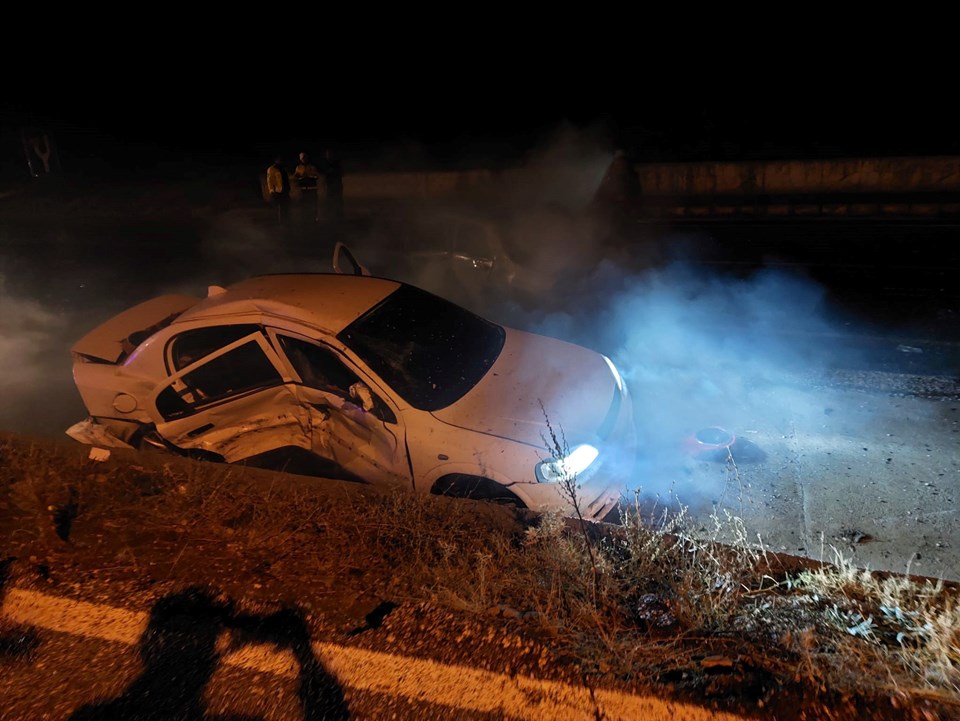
[[909, 628]]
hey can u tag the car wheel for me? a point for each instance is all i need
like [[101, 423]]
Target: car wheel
[[482, 489]]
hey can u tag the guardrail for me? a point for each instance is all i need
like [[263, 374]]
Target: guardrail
[[853, 187]]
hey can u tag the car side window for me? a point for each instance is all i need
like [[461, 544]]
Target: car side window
[[192, 345], [472, 240], [238, 371], [322, 369], [319, 368]]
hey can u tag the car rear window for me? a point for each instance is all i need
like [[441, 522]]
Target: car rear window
[[243, 369], [192, 345]]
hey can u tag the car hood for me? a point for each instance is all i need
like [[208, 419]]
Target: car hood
[[537, 379]]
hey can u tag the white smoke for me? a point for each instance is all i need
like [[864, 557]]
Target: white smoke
[[35, 380], [696, 349]]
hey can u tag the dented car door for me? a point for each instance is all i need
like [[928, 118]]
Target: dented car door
[[234, 402], [347, 421]]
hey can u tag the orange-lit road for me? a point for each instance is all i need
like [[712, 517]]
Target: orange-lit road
[[86, 650]]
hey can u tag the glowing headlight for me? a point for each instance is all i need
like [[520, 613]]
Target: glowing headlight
[[573, 464]]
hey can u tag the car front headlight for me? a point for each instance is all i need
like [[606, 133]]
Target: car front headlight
[[574, 464]]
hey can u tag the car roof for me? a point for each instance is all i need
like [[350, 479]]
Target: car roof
[[327, 300]]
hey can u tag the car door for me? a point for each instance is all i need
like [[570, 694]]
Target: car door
[[235, 400], [347, 420], [474, 246]]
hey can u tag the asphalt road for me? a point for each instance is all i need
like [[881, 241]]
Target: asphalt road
[[845, 407], [183, 658]]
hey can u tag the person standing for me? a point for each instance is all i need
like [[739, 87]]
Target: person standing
[[333, 180], [620, 185], [307, 177], [617, 199], [278, 186]]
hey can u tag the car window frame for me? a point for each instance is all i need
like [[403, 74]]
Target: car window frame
[[194, 407], [359, 370], [170, 358]]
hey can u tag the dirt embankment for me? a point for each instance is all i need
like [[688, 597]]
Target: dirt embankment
[[637, 606]]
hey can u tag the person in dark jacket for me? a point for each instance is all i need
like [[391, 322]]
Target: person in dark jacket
[[617, 199], [620, 185], [333, 178], [307, 177]]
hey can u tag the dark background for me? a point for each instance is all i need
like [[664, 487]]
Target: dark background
[[421, 116]]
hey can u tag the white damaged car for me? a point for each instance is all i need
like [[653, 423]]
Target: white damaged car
[[363, 378]]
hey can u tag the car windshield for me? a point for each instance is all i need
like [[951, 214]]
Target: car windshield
[[429, 350]]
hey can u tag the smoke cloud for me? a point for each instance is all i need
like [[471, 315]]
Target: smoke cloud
[[35, 379], [696, 348]]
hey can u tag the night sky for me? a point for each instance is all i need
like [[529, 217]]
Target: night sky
[[240, 112]]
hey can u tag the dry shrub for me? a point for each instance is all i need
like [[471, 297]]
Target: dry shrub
[[453, 550], [880, 618]]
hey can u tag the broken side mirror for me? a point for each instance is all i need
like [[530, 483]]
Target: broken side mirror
[[363, 396], [361, 393]]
